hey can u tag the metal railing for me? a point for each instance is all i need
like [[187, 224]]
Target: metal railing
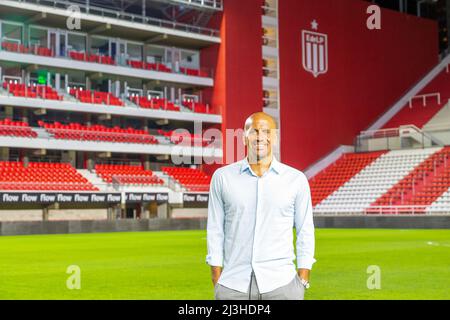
[[118, 60], [107, 136], [397, 210], [123, 98], [152, 104], [119, 181], [176, 185], [210, 4], [101, 136], [424, 98], [400, 210], [125, 16], [33, 91], [394, 139]]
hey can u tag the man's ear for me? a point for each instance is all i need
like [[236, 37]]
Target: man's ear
[[274, 137]]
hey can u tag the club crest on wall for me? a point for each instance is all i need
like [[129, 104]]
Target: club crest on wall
[[315, 50]]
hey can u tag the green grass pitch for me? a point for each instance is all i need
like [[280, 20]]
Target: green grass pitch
[[414, 264]]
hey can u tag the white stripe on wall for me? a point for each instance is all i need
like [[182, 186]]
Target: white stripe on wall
[[308, 55], [315, 60]]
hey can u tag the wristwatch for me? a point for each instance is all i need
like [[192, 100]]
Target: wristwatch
[[305, 283]]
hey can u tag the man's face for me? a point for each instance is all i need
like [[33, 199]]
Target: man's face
[[259, 138]]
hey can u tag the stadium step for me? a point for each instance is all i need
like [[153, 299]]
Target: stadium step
[[419, 188], [94, 179], [337, 174], [373, 181]]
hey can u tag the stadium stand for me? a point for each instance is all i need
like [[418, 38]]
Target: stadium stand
[[82, 56], [42, 176], [20, 48], [184, 137], [442, 203], [421, 187], [196, 106], [193, 72], [9, 127], [154, 103], [127, 174], [96, 97], [358, 193], [34, 91], [76, 131], [333, 177], [138, 64], [193, 180]]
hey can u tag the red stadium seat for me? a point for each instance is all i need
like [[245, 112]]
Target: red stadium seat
[[193, 180], [42, 176], [127, 175]]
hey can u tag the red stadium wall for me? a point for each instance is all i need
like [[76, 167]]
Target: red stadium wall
[[368, 71], [237, 62]]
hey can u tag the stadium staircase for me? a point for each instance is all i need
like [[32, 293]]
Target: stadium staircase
[[122, 174], [94, 179], [191, 180]]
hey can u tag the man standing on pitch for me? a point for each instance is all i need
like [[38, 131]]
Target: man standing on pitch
[[253, 206]]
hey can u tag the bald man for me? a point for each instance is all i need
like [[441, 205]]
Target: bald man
[[254, 204]]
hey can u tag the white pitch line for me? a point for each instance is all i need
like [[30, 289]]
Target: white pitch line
[[437, 244]]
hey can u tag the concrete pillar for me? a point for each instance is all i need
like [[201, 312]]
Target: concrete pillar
[[145, 213], [163, 211], [4, 153], [153, 209], [90, 163], [110, 213], [9, 111], [57, 81], [25, 161], [45, 214], [88, 83], [24, 117], [146, 162], [69, 156], [117, 88], [144, 89], [26, 78], [66, 83], [26, 28], [88, 43]]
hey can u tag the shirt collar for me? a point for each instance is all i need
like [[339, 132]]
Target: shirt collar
[[275, 165]]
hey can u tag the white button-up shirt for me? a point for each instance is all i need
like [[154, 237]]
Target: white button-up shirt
[[250, 225]]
